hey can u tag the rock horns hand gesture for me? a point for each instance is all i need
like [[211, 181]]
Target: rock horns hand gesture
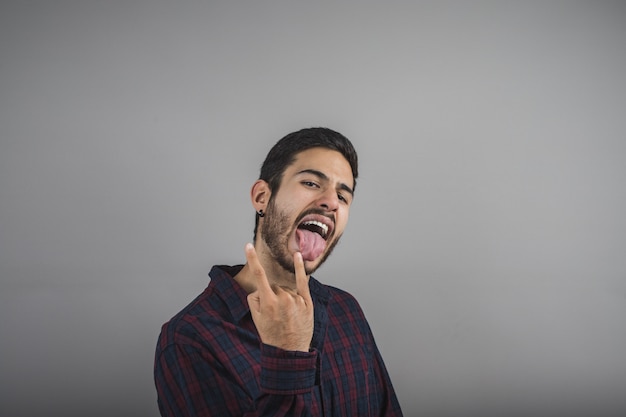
[[283, 316]]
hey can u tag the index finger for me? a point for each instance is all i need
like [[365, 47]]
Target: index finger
[[257, 270], [302, 280]]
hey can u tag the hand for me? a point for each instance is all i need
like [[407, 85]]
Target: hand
[[283, 317]]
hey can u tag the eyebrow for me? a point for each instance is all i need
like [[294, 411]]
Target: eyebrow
[[324, 177]]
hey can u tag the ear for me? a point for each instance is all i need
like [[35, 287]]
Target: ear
[[260, 195]]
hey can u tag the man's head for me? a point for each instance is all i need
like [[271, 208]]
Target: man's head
[[305, 188]]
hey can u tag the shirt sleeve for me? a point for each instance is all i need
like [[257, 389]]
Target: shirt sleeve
[[191, 384], [389, 405]]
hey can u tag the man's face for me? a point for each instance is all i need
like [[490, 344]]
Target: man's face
[[310, 210]]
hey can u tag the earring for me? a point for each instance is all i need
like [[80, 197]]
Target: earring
[[260, 213]]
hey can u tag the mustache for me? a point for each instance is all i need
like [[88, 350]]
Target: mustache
[[317, 211]]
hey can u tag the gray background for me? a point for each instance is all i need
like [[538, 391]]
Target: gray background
[[486, 243]]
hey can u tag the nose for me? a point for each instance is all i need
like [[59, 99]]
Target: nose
[[329, 200]]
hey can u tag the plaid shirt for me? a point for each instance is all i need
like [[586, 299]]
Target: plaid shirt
[[210, 361]]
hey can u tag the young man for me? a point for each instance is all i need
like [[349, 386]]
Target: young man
[[266, 338]]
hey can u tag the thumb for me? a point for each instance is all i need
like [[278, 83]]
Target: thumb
[[254, 302]]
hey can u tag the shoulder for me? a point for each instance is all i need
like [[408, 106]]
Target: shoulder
[[339, 301], [189, 323], [212, 316], [342, 296]]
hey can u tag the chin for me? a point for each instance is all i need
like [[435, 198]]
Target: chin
[[311, 266]]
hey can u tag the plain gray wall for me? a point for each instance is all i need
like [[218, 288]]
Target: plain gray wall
[[487, 241]]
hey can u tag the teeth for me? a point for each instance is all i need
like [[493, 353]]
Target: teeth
[[318, 224]]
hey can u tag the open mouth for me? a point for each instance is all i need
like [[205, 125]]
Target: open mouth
[[312, 235], [316, 227], [319, 224]]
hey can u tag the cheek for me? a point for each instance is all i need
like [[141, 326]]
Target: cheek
[[281, 203], [292, 206], [342, 223]]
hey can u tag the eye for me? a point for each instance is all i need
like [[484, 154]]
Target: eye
[[310, 184], [342, 198]]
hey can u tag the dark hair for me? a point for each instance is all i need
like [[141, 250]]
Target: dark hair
[[284, 152]]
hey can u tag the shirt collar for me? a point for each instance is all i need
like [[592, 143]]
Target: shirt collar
[[229, 290]]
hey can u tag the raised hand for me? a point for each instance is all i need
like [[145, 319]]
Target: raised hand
[[283, 316]]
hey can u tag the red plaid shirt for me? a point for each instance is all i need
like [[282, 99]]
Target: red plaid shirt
[[210, 361]]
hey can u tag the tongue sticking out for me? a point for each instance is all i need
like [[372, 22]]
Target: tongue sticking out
[[311, 244]]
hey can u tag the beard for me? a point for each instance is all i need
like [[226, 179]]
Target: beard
[[276, 230]]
